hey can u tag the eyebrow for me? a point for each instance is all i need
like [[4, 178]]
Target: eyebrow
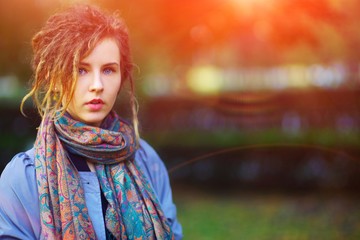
[[111, 64], [85, 64]]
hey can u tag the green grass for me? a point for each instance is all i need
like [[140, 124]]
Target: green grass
[[268, 216]]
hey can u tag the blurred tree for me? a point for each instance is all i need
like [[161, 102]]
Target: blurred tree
[[166, 34], [274, 32], [19, 19]]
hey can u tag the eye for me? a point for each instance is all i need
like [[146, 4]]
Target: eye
[[82, 71], [108, 71]]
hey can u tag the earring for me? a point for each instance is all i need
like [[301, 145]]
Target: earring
[[55, 97], [55, 94]]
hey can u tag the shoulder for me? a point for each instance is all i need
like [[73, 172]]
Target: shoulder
[[20, 168], [157, 174], [147, 153], [19, 174], [149, 161], [153, 167], [19, 207]]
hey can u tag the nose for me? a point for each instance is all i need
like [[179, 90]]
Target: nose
[[96, 83]]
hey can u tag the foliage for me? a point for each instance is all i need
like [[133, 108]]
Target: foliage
[[169, 34]]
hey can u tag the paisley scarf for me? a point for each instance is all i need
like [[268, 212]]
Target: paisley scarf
[[133, 211]]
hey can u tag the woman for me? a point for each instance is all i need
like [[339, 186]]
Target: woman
[[88, 176]]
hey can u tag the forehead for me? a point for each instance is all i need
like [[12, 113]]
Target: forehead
[[106, 49]]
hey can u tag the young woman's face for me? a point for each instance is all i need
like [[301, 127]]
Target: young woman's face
[[99, 80]]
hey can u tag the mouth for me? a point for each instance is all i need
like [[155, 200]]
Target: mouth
[[95, 105], [96, 101]]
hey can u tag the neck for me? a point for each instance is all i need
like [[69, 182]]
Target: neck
[[91, 165]]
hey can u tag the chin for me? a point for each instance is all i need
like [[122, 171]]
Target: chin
[[94, 121]]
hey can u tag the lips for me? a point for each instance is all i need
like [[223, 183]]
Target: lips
[[95, 101], [95, 104]]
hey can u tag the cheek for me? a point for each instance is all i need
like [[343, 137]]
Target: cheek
[[115, 92], [77, 95], [80, 91], [81, 86], [71, 104], [115, 86]]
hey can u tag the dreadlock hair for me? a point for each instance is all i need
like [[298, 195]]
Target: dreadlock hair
[[65, 39]]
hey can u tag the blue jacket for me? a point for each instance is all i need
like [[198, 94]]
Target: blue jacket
[[19, 205]]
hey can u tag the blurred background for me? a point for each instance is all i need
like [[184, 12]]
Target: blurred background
[[252, 104]]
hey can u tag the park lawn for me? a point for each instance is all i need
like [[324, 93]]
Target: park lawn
[[268, 216]]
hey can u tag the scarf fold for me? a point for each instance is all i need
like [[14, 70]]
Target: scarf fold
[[133, 210]]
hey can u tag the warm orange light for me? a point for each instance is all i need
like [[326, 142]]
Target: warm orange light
[[251, 6], [252, 2]]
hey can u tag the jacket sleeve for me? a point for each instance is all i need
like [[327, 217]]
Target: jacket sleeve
[[156, 172], [19, 208]]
